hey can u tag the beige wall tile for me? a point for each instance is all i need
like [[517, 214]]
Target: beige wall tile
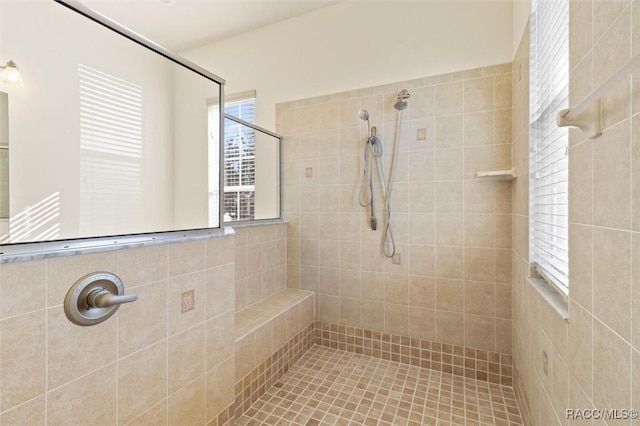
[[155, 416], [611, 280], [329, 115], [449, 98], [373, 315], [581, 263], [306, 314], [30, 413], [263, 343], [635, 165], [22, 287], [581, 346], [22, 358], [450, 295], [448, 164], [580, 29], [479, 197], [143, 265], [186, 357], [187, 406], [580, 183], [422, 323], [479, 332], [396, 289], [449, 197], [422, 102], [479, 298], [479, 128], [478, 158], [449, 230], [350, 312], [63, 272], [611, 368], [449, 262], [220, 338], [422, 260], [144, 322], [611, 178], [220, 290], [479, 94], [421, 197], [479, 264], [142, 381], [504, 338], [479, 230], [450, 327], [219, 389], [422, 229], [503, 129], [635, 291], [422, 166], [449, 131], [350, 284], [67, 404], [422, 292], [244, 352], [179, 321], [373, 286], [66, 341], [502, 307], [328, 308], [220, 251], [187, 257], [396, 319], [329, 281]]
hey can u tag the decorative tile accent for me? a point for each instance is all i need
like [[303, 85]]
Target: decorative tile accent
[[188, 301], [255, 383], [332, 387], [478, 364]]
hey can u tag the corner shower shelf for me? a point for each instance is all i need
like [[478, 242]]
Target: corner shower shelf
[[497, 174]]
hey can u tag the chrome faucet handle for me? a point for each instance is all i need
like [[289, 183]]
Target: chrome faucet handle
[[103, 298], [94, 298]]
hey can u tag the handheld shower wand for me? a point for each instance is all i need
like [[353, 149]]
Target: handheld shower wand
[[367, 176]]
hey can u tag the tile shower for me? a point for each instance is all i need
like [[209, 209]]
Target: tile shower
[[442, 316], [453, 231]]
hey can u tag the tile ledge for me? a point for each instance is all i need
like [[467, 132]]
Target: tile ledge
[[11, 253], [293, 298], [551, 296]]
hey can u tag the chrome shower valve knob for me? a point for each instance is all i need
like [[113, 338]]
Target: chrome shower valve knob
[[94, 298]]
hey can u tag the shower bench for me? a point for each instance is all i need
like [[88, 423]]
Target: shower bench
[[270, 336]]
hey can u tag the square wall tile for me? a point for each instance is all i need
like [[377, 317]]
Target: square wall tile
[[22, 358], [22, 287]]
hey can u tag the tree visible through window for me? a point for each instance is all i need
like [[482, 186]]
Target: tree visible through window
[[239, 156]]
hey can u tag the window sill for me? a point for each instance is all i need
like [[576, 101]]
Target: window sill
[[552, 296]]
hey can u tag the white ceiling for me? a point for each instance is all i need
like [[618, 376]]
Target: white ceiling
[[185, 24]]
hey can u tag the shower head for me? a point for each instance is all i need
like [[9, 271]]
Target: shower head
[[401, 100], [364, 115]]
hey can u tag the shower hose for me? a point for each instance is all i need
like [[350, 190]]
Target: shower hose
[[372, 158]]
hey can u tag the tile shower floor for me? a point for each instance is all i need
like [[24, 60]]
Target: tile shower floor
[[333, 387]]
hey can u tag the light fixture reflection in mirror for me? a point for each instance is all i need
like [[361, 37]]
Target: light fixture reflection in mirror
[[10, 78]]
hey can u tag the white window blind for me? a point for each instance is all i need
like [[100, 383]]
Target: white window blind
[[549, 89]]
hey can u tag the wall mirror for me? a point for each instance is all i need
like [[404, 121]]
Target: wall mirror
[[106, 136]]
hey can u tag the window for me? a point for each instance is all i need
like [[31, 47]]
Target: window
[[548, 162], [239, 158]]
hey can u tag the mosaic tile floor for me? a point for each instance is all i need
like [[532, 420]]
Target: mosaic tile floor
[[333, 387]]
